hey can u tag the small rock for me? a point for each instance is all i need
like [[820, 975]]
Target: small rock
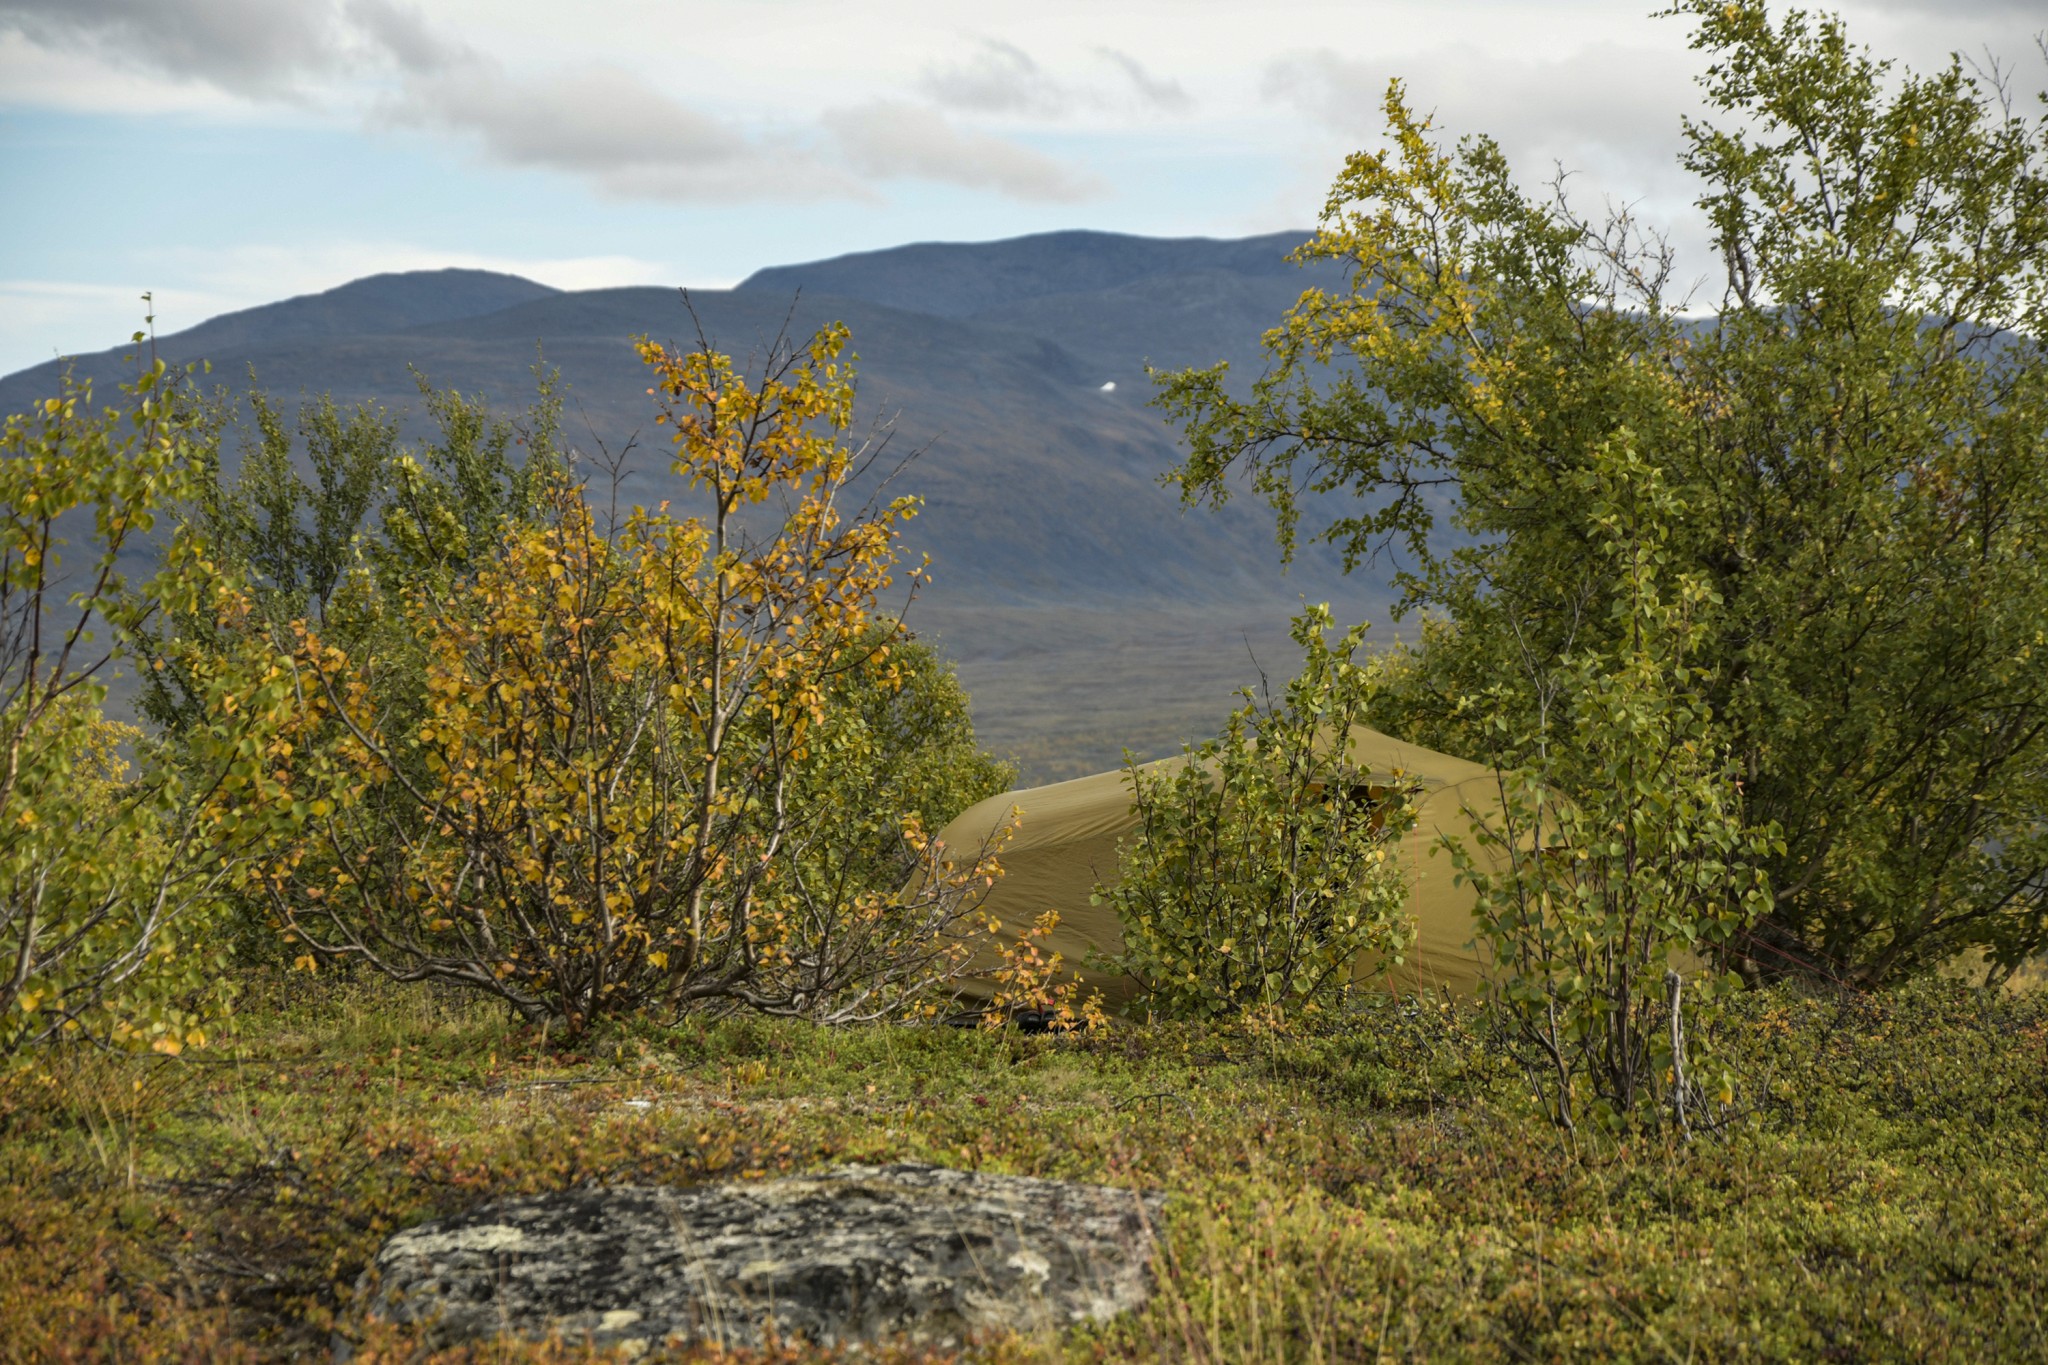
[[852, 1254]]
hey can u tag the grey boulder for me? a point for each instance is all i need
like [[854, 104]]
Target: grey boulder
[[852, 1254]]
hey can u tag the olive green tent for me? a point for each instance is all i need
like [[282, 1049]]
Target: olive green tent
[[1064, 837]]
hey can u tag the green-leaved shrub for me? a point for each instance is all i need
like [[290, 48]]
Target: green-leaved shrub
[[1855, 410], [1259, 874], [1622, 870], [111, 880]]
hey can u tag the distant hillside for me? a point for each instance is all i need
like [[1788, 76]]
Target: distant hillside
[[373, 305], [1087, 610], [961, 279]]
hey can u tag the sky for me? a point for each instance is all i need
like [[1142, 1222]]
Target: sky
[[226, 153]]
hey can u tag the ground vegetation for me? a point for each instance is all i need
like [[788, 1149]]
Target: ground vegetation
[[1371, 1185]]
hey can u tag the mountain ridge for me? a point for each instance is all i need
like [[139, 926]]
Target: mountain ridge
[[1087, 610], [960, 279]]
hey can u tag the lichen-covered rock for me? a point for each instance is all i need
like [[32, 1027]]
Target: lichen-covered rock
[[852, 1254]]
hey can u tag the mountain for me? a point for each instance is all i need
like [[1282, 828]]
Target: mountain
[[962, 279], [1088, 612], [375, 304]]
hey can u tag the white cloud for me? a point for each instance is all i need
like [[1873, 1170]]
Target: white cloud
[[594, 120], [75, 80], [259, 48], [403, 34], [1163, 94], [605, 126], [1000, 78], [1619, 106], [892, 140], [1955, 9]]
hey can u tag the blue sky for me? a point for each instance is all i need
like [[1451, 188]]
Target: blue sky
[[223, 153]]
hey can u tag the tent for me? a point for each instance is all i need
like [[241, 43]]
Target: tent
[[1064, 841]]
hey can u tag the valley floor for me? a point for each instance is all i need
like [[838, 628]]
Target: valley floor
[[1369, 1186], [1149, 678]]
